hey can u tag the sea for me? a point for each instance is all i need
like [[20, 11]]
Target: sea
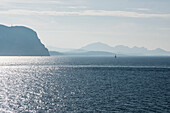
[[80, 84]]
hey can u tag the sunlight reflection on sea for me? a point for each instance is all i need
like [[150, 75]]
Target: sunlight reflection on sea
[[81, 84]]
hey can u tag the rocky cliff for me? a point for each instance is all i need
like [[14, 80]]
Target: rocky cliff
[[20, 41]]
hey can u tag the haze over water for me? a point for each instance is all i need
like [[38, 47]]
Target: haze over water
[[85, 84]]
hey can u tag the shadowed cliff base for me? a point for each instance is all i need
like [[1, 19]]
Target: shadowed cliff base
[[20, 41]]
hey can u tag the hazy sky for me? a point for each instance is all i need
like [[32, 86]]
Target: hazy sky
[[75, 23]]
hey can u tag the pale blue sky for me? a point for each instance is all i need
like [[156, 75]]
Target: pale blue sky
[[75, 23]]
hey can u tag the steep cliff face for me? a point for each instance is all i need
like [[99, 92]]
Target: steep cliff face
[[20, 41]]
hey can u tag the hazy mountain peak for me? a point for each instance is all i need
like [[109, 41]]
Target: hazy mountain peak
[[121, 46], [159, 49], [98, 46]]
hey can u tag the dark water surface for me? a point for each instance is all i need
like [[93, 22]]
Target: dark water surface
[[85, 84]]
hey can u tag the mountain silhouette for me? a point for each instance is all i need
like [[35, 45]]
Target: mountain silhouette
[[20, 41], [125, 50], [100, 48]]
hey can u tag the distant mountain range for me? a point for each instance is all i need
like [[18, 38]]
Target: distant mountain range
[[23, 41], [105, 50]]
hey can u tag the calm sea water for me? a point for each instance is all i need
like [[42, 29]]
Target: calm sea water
[[85, 84]]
